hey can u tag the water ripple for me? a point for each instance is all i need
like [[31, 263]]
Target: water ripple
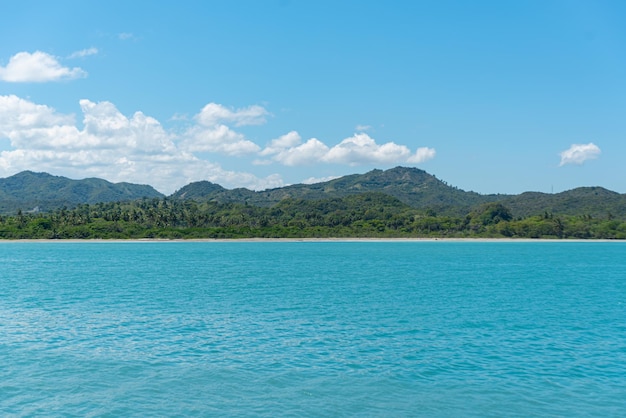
[[312, 329]]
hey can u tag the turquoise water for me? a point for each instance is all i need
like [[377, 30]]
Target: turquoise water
[[313, 329]]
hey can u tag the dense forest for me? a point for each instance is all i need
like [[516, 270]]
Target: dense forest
[[416, 188], [397, 203], [370, 214]]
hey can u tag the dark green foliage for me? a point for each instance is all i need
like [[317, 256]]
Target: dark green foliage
[[362, 215], [411, 186], [490, 213], [423, 191], [594, 201], [401, 202], [198, 191], [41, 192]]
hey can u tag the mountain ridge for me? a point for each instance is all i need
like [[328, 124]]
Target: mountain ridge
[[39, 191], [30, 190], [412, 186]]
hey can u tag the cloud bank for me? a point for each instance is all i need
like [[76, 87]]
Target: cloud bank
[[109, 145], [359, 149], [38, 67], [137, 148], [579, 153], [212, 133]]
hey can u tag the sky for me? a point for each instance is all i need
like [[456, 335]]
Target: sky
[[489, 96]]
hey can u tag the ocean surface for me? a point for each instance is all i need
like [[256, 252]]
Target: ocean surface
[[433, 329]]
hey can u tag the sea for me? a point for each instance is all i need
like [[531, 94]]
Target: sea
[[313, 329]]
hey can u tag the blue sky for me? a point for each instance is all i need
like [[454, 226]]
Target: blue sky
[[490, 96]]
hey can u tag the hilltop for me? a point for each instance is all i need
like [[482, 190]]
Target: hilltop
[[413, 187], [30, 191], [421, 190]]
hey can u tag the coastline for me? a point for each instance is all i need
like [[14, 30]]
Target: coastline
[[261, 240]]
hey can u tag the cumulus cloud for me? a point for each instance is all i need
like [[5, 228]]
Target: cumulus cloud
[[579, 153], [109, 145], [37, 67], [214, 114], [212, 133], [289, 150], [307, 153], [84, 53], [220, 139], [17, 116], [289, 140], [359, 149], [362, 149], [363, 128], [421, 155], [137, 148]]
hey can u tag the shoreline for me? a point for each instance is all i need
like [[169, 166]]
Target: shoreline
[[260, 240]]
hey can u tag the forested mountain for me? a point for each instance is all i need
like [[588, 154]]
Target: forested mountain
[[31, 191], [401, 202], [421, 190], [597, 202], [411, 186], [199, 190]]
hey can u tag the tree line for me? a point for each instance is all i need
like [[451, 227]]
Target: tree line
[[372, 215]]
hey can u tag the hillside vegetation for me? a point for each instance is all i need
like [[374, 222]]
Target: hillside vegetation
[[363, 215], [29, 191], [421, 190], [411, 186], [401, 202]]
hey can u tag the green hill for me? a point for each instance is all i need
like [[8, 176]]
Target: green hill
[[199, 190], [30, 191], [597, 202], [411, 186], [418, 189]]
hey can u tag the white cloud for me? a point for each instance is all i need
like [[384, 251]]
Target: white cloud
[[362, 149], [363, 128], [356, 150], [213, 114], [84, 53], [289, 150], [211, 133], [421, 155], [125, 36], [310, 152], [137, 148], [17, 114], [37, 67], [220, 139], [289, 140], [579, 153], [313, 180], [109, 145]]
